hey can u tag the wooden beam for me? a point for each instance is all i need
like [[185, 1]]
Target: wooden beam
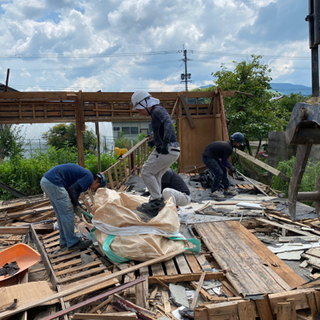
[[262, 165], [196, 295], [7, 80], [107, 316], [186, 108], [174, 107], [225, 134], [98, 145], [186, 277]]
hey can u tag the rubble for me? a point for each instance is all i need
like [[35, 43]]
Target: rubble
[[241, 272]]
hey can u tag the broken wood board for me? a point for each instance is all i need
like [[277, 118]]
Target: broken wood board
[[129, 306], [285, 226], [89, 283], [231, 310], [26, 293], [251, 267]]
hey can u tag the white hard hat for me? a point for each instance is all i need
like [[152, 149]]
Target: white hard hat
[[137, 97]]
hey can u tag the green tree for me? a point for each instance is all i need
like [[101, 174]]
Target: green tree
[[62, 135], [252, 113], [287, 103], [122, 141], [11, 141]]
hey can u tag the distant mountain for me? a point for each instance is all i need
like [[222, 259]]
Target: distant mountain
[[287, 88]]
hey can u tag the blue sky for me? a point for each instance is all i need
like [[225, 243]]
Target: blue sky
[[127, 45]]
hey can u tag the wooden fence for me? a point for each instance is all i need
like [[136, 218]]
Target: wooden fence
[[128, 163]]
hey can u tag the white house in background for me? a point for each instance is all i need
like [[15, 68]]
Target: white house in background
[[131, 129], [33, 135]]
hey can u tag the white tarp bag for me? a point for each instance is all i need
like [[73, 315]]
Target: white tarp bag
[[123, 236]]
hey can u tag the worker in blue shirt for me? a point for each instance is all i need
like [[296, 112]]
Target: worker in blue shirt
[[63, 184]]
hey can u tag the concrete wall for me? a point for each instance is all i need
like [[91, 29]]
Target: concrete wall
[[279, 150]]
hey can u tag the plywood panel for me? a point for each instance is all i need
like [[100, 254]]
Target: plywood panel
[[193, 141]]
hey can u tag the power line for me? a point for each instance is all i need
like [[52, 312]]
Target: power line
[[151, 53]]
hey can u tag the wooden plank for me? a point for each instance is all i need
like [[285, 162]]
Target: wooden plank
[[196, 295], [272, 260], [170, 267], [186, 108], [82, 274], [165, 300], [108, 316], [226, 311], [312, 304], [225, 135], [182, 264], [187, 277], [144, 272], [246, 310], [272, 280], [234, 255], [157, 269], [284, 226], [263, 165], [78, 268], [25, 293], [93, 288], [174, 107], [284, 311], [264, 308]]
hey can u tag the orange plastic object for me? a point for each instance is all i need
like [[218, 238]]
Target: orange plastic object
[[24, 255]]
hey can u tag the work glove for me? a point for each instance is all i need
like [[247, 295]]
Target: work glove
[[233, 169], [151, 143], [78, 211], [164, 148]]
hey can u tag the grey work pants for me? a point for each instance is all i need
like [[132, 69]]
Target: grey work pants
[[153, 170]]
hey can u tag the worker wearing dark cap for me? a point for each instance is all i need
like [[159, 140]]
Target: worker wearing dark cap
[[215, 157]]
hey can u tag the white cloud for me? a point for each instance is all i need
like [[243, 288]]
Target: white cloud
[[125, 45]]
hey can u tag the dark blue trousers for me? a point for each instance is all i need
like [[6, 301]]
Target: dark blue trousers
[[219, 171]]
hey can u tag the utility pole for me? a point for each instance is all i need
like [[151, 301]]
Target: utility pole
[[185, 76], [314, 41]]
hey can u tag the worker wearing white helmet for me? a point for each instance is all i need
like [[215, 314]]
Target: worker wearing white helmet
[[166, 152]]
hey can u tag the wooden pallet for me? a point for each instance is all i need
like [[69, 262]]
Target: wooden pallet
[[68, 268]]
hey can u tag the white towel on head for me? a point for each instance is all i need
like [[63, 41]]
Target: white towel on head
[[147, 103]]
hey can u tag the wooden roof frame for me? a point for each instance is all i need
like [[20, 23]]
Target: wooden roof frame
[[81, 107]]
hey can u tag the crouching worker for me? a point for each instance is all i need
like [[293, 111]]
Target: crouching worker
[[215, 157], [173, 186], [167, 149], [63, 185]]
